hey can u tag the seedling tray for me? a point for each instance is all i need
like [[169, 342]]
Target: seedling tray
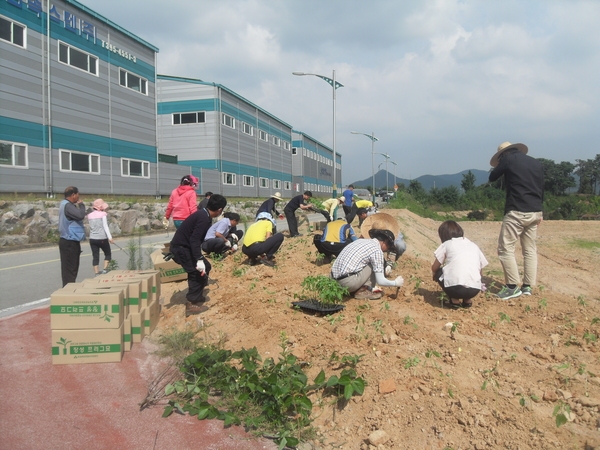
[[317, 306]]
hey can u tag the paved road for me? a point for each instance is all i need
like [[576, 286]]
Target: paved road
[[28, 277]]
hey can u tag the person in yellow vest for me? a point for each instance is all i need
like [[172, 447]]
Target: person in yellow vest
[[336, 235], [260, 240], [363, 204]]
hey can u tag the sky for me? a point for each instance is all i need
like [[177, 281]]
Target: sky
[[440, 83]]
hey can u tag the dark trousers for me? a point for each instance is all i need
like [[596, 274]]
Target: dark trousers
[[457, 292], [328, 218], [329, 248], [268, 247], [100, 244], [196, 282], [350, 215], [292, 221], [69, 260], [214, 245]]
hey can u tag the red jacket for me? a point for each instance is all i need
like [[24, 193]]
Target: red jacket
[[182, 203]]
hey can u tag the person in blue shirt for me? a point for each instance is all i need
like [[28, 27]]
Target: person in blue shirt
[[348, 198]]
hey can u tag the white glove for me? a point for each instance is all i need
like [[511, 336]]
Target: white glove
[[399, 281], [234, 237], [387, 270], [227, 243], [201, 267], [234, 247], [165, 222]]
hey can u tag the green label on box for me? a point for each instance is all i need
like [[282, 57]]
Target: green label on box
[[82, 309], [147, 323], [154, 289], [136, 330], [171, 272], [134, 301], [126, 338], [144, 295], [88, 349]]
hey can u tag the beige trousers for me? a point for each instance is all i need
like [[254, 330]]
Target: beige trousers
[[519, 226]]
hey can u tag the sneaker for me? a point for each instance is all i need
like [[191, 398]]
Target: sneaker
[[269, 262], [507, 293], [194, 308], [526, 290], [104, 272]]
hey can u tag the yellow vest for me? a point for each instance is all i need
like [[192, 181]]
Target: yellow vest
[[257, 232]]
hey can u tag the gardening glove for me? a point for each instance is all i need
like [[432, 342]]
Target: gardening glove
[[234, 237], [165, 222], [388, 268], [227, 243], [201, 267], [234, 247], [168, 256], [281, 216], [399, 281]]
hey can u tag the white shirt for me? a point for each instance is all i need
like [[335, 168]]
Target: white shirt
[[461, 262]]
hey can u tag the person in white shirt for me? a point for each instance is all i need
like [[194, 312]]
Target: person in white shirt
[[457, 266]]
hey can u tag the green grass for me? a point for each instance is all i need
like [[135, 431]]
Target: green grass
[[585, 244]]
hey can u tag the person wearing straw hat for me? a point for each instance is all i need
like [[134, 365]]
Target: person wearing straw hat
[[100, 237], [524, 184], [360, 265], [268, 206]]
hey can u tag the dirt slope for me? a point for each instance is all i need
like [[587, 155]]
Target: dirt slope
[[530, 348]]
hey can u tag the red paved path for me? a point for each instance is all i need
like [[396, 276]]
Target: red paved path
[[91, 406]]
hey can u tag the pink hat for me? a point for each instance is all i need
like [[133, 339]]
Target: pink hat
[[100, 205]]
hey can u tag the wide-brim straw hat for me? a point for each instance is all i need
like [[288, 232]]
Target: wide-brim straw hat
[[506, 146], [381, 221], [277, 196]]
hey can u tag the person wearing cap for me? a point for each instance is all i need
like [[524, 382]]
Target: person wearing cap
[[458, 265], [186, 247], [71, 213], [260, 239], [336, 235], [524, 184], [223, 236], [297, 202], [182, 202], [268, 206], [204, 201], [360, 265], [100, 237]]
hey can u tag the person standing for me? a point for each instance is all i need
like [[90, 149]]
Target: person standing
[[186, 247], [182, 202], [260, 239], [100, 237], [70, 227], [204, 201], [457, 266], [336, 235], [348, 195], [299, 201], [268, 206], [524, 184], [360, 266], [223, 235]]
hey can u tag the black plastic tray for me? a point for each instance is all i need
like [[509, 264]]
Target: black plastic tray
[[317, 306]]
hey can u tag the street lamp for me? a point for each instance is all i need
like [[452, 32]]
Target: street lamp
[[395, 179], [387, 175], [373, 139], [335, 85]]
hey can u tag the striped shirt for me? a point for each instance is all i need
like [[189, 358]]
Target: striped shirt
[[356, 256]]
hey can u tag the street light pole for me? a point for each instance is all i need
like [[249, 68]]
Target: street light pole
[[373, 139], [387, 175], [335, 85], [395, 179]]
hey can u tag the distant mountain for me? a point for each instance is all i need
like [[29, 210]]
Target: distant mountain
[[383, 178]]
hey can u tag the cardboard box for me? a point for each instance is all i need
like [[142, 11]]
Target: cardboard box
[[76, 311], [87, 346], [169, 270], [150, 283], [91, 287], [127, 338], [138, 325], [152, 317], [135, 289]]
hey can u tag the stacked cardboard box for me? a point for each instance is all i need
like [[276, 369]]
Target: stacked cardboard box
[[99, 318], [169, 270]]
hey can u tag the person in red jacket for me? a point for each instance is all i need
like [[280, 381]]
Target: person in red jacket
[[182, 202]]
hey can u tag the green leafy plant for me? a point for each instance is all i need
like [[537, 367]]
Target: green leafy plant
[[504, 317], [112, 265], [238, 272], [561, 410], [489, 378], [581, 301], [324, 289], [542, 303]]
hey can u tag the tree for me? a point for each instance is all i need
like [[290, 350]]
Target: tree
[[557, 177], [587, 178], [415, 188], [468, 181]]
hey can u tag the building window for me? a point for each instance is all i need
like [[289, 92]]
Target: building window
[[276, 184], [228, 178], [287, 185], [228, 121], [263, 182], [79, 162], [263, 136], [76, 58], [12, 32], [294, 151], [276, 141], [135, 168], [248, 181], [247, 128], [13, 154], [191, 117], [132, 81], [286, 145], [303, 152]]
